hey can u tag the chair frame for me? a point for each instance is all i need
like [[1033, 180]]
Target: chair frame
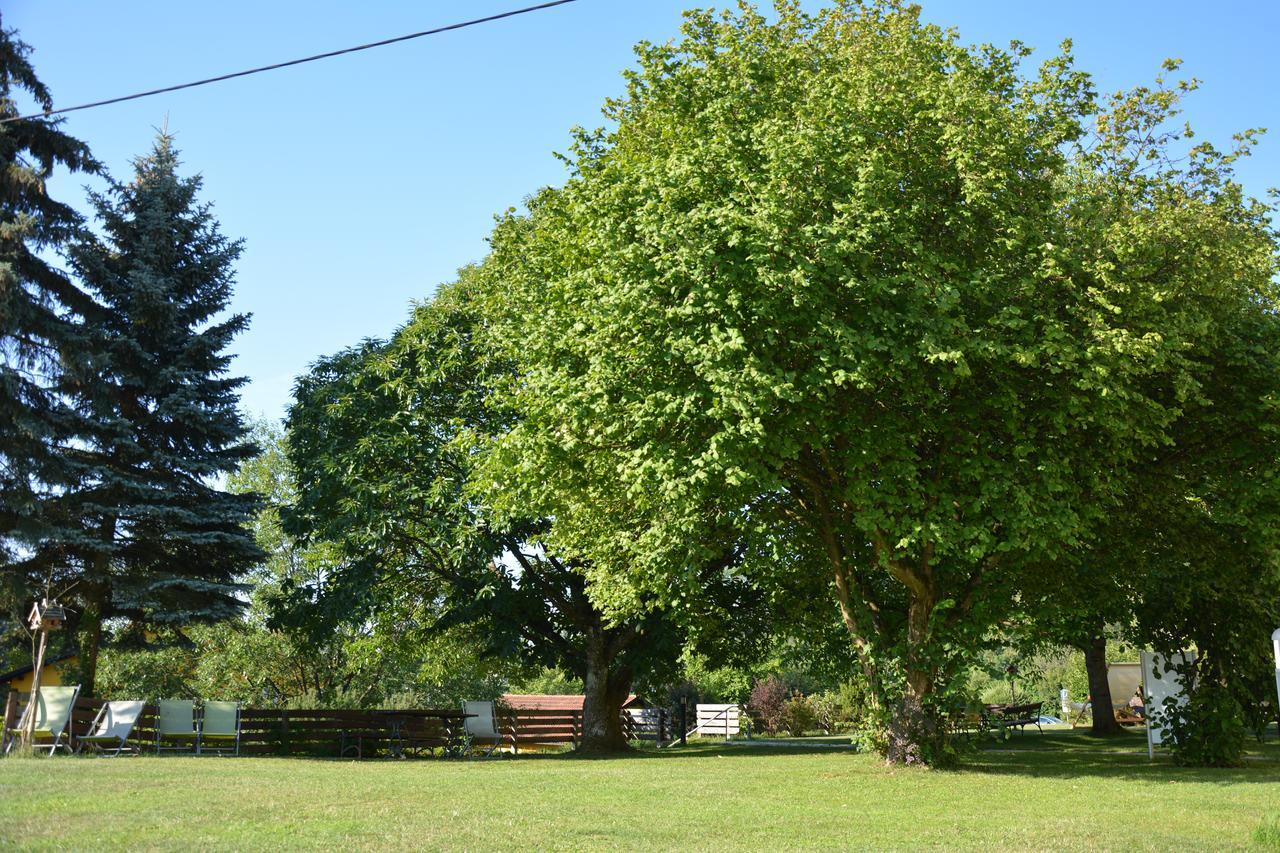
[[195, 730], [32, 700], [88, 738], [486, 749], [219, 750]]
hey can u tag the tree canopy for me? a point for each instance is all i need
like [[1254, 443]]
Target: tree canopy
[[387, 439], [902, 313]]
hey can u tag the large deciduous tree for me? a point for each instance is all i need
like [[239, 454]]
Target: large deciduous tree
[[841, 284], [386, 440]]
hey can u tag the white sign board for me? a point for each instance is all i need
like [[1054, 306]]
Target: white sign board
[[1275, 642], [1160, 682]]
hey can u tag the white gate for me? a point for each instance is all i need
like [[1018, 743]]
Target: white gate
[[717, 720]]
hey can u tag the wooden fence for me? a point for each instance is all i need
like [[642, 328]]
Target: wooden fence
[[373, 733]]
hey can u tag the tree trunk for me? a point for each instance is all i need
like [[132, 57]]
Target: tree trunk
[[605, 689], [915, 733], [1095, 662], [89, 640]]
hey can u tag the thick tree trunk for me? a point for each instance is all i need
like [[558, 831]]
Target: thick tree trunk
[[915, 734], [1095, 663], [605, 689]]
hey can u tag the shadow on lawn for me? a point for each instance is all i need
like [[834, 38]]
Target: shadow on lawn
[[1065, 756], [1066, 764], [695, 750]]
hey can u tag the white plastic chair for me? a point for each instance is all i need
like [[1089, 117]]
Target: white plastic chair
[[112, 727]]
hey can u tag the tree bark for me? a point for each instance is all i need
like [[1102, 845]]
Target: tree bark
[[915, 733], [605, 689], [1095, 662], [89, 640]]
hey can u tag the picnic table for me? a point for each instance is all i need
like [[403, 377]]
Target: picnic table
[[412, 732], [1012, 716]]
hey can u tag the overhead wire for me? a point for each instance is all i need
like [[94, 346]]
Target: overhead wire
[[384, 42]]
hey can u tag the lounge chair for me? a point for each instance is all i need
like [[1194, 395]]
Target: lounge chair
[[482, 728], [52, 708], [177, 722], [220, 725], [111, 727]]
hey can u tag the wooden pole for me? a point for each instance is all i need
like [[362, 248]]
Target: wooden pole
[[10, 719], [29, 730]]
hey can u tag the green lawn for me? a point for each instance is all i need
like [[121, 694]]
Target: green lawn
[[1060, 792]]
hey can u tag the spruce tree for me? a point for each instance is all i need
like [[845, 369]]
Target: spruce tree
[[164, 545], [43, 345]]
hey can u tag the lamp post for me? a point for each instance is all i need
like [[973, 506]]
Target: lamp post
[[1012, 671], [45, 616]]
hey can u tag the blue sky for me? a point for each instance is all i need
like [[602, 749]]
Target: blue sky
[[359, 183]]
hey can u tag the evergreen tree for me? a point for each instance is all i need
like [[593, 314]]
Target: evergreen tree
[[163, 545], [43, 350]]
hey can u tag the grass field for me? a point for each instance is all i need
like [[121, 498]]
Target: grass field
[[1056, 791]]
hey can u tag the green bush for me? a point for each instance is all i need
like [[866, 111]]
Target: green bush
[[798, 715], [845, 709], [1206, 730]]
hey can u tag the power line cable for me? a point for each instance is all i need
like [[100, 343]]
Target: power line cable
[[247, 72]]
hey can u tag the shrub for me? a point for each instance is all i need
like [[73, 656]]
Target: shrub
[[1206, 730], [768, 705], [798, 715], [845, 709]]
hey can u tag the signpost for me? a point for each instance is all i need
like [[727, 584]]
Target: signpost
[[1275, 644]]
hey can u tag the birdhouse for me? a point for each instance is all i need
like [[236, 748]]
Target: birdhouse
[[46, 615]]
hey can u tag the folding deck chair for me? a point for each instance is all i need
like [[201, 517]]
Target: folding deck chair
[[177, 722], [52, 707], [220, 725], [111, 728], [483, 727]]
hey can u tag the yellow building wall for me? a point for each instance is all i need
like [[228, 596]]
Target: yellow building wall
[[52, 676]]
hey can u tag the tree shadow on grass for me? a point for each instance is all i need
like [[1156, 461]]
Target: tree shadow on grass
[[1048, 764], [1074, 757], [746, 750]]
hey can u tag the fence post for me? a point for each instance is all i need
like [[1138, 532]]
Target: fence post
[[573, 728], [684, 720], [10, 721]]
